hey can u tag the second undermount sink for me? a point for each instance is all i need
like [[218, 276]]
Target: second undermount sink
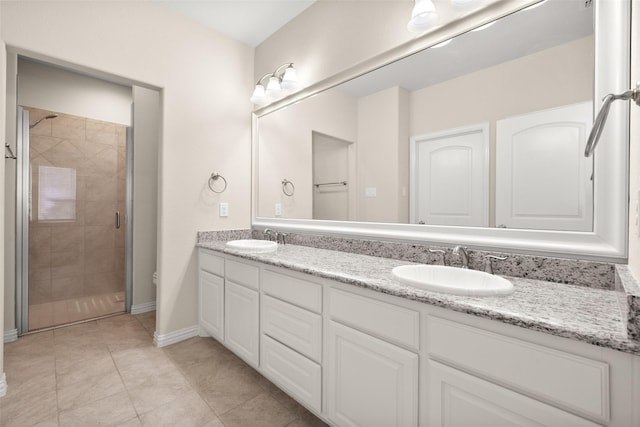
[[452, 280], [252, 245]]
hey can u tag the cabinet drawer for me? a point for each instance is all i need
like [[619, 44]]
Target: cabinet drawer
[[297, 328], [298, 292], [390, 322], [242, 274], [461, 400], [211, 263], [563, 379], [298, 375]]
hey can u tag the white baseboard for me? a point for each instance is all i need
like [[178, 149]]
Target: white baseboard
[[163, 340], [143, 308], [3, 385], [11, 335]]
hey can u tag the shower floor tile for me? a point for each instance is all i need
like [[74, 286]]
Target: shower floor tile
[[57, 313]]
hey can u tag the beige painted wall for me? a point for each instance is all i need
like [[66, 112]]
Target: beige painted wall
[[146, 140], [56, 89], [205, 123], [382, 156], [285, 149], [332, 36], [9, 195], [3, 95]]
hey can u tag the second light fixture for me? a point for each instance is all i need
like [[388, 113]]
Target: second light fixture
[[283, 79]]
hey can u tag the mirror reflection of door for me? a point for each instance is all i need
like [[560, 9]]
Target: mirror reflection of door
[[450, 177], [330, 177]]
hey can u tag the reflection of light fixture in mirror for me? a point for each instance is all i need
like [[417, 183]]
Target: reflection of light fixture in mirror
[[484, 27], [444, 43], [423, 16], [463, 4], [284, 78], [533, 6]]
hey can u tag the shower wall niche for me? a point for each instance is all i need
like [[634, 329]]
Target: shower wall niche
[[76, 248]]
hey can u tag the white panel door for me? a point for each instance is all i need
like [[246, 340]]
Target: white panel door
[[543, 180], [241, 322], [370, 382], [211, 303], [450, 177], [457, 399]]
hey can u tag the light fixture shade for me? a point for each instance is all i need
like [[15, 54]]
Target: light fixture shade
[[290, 79], [423, 16], [464, 4], [259, 96], [273, 86]]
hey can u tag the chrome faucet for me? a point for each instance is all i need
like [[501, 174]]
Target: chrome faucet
[[441, 252], [464, 256], [270, 234]]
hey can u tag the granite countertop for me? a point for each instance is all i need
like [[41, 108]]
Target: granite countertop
[[576, 312]]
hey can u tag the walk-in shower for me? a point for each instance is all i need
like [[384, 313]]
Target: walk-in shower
[[71, 194]]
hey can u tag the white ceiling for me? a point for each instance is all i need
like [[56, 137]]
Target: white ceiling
[[249, 21]]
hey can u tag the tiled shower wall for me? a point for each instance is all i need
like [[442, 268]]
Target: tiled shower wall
[[82, 254]]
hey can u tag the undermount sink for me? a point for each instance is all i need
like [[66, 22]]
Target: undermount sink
[[453, 280], [252, 245]]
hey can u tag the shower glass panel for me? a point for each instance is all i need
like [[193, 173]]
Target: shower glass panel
[[75, 218]]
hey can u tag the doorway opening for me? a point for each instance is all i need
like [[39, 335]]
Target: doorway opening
[[331, 178], [73, 199]]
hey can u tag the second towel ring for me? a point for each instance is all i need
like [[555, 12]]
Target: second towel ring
[[213, 178], [288, 188]]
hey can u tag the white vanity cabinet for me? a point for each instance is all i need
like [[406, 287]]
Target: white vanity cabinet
[[356, 357], [486, 373], [291, 341], [211, 294], [372, 378], [242, 309]]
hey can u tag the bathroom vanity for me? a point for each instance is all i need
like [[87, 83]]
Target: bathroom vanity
[[338, 333]]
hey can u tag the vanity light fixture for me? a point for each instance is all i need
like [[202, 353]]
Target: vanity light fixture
[[463, 4], [283, 79], [423, 16]]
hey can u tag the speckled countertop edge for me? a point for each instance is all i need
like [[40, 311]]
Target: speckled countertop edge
[[583, 314]]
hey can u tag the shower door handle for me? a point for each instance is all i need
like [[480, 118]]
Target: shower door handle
[[117, 219]]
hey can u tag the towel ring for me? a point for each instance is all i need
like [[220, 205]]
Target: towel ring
[[288, 188], [213, 178]]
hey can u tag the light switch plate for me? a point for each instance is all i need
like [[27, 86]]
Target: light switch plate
[[370, 192], [224, 210]]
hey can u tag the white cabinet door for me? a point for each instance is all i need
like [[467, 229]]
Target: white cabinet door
[[241, 322], [211, 304], [457, 399], [370, 382], [543, 179]]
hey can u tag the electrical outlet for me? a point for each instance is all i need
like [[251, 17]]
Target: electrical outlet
[[224, 210], [278, 209]]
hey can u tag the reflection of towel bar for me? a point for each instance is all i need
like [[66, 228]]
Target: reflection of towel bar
[[330, 183]]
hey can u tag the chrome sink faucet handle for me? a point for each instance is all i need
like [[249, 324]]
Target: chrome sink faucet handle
[[440, 251], [270, 234], [488, 264], [281, 237], [464, 256]]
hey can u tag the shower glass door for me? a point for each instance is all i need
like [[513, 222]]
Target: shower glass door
[[72, 223]]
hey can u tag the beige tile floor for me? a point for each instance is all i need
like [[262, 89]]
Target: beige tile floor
[[108, 373], [54, 313]]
